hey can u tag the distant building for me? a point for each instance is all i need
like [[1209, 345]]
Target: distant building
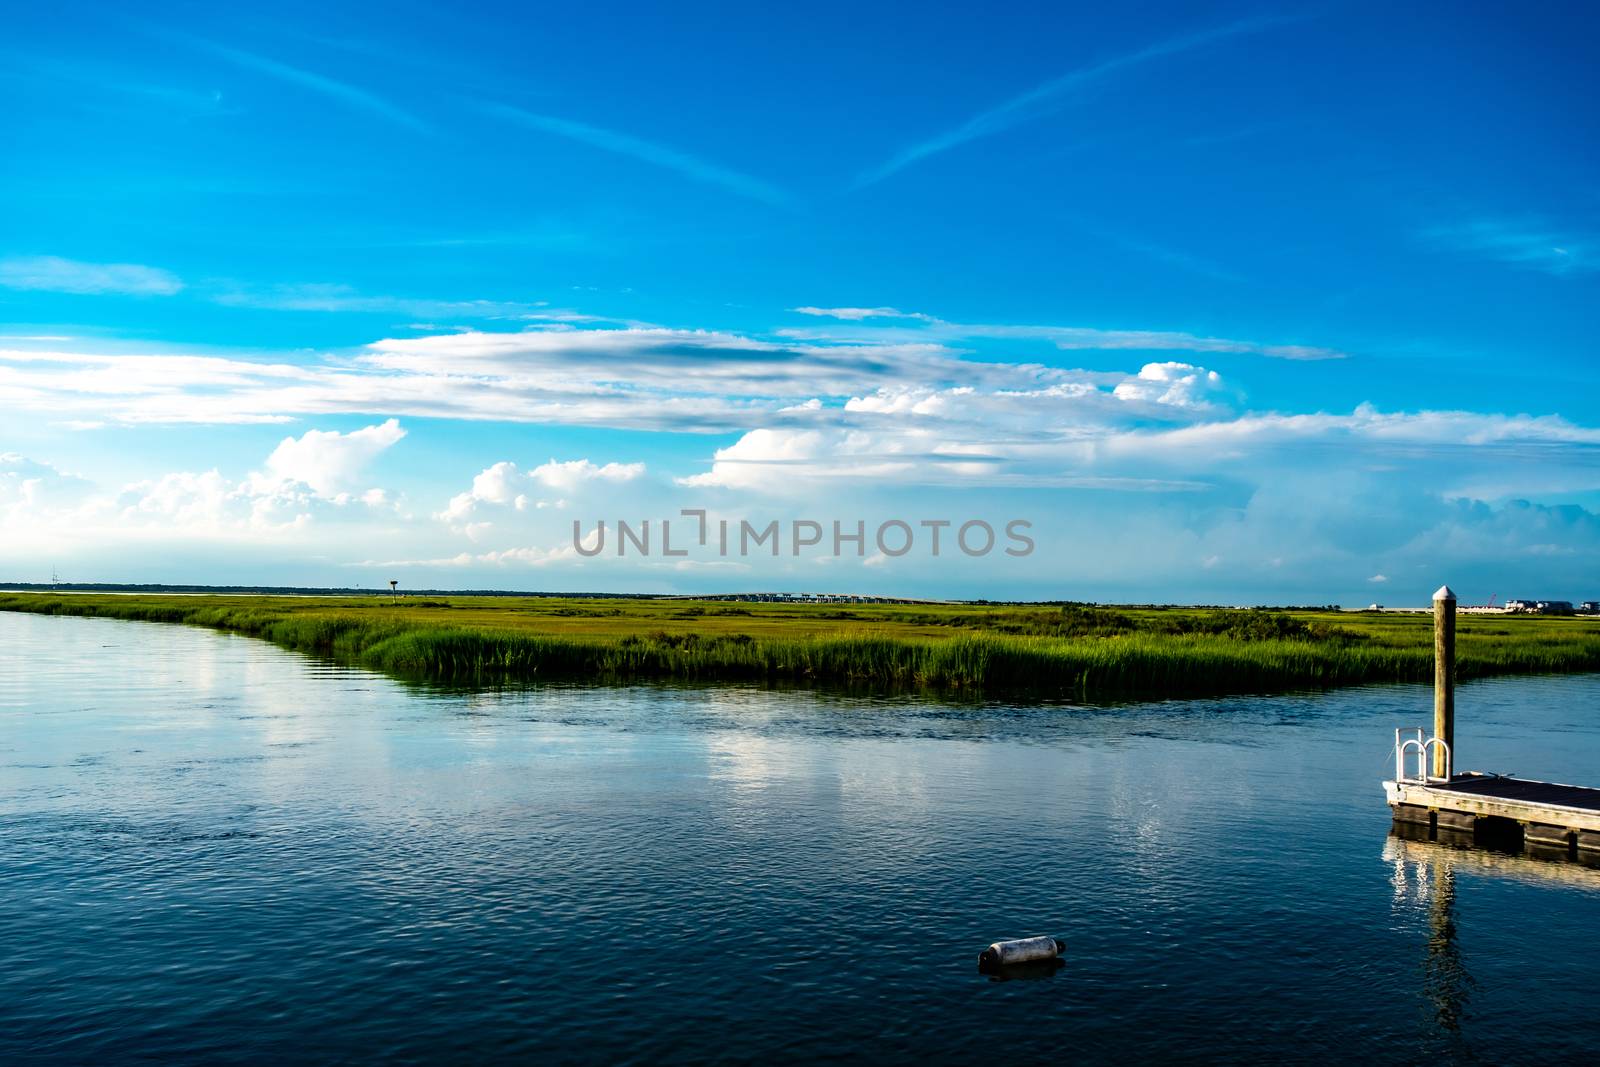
[[1591, 607], [1540, 607]]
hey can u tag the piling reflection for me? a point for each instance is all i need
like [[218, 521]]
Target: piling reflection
[[1446, 982], [1425, 874]]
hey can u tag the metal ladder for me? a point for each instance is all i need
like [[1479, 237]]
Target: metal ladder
[[1415, 739]]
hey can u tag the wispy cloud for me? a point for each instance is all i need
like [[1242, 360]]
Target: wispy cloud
[[929, 329], [1177, 258], [350, 95], [344, 299], [1168, 256], [56, 275], [1051, 96], [858, 314], [1530, 244], [648, 151], [105, 85]]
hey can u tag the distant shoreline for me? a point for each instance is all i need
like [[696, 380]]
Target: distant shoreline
[[156, 588]]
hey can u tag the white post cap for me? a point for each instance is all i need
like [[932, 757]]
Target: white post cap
[[1444, 593]]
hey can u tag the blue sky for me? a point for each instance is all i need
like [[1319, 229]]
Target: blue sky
[[1233, 303]]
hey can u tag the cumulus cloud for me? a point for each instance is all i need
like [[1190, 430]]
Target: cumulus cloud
[[28, 487], [499, 484], [318, 470], [570, 475], [56, 275], [507, 485], [329, 461], [1179, 384], [207, 502], [304, 477], [919, 434]]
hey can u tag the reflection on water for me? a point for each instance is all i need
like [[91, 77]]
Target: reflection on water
[[213, 849], [1427, 875], [1425, 871], [1031, 971]]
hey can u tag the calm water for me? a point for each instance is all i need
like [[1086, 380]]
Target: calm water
[[213, 849]]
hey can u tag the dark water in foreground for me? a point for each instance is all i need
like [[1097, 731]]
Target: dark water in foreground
[[211, 849]]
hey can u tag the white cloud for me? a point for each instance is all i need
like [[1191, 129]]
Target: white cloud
[[333, 299], [505, 484], [1378, 579], [56, 275], [1089, 437], [1179, 384], [531, 556], [636, 378], [28, 487], [858, 314], [570, 475], [1065, 338], [42, 509], [329, 461], [903, 406], [785, 461], [207, 502], [303, 476], [495, 484]]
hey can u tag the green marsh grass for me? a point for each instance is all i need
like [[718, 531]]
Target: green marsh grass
[[1078, 652]]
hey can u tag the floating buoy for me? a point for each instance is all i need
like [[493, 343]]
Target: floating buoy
[[1023, 950]]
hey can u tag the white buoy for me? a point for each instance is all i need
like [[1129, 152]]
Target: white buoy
[[1022, 950]]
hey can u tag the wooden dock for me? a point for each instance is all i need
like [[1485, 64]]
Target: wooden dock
[[1565, 817], [1543, 818]]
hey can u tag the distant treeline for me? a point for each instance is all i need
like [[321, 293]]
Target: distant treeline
[[311, 590], [290, 590]]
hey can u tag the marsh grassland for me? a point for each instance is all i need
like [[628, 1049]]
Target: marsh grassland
[[1057, 651]]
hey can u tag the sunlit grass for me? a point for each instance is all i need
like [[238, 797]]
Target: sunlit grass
[[1079, 652]]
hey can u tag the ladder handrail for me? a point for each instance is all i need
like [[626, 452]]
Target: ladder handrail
[[1423, 746]]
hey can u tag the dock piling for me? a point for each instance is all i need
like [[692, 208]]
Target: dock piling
[[1444, 679], [1493, 811]]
